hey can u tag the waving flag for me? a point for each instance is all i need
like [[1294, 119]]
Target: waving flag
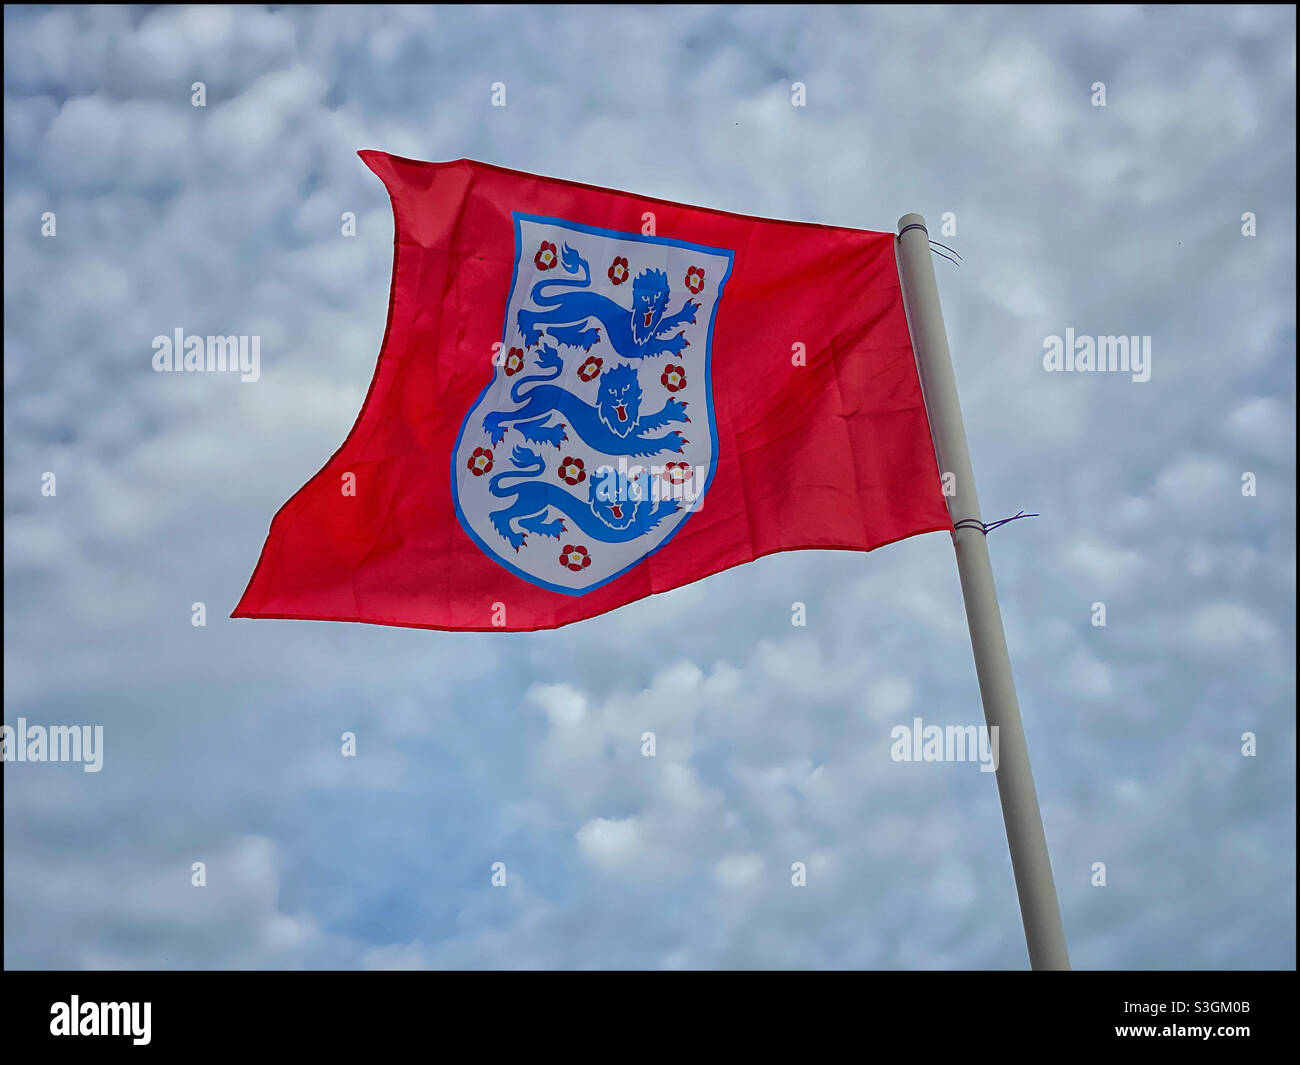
[[585, 397]]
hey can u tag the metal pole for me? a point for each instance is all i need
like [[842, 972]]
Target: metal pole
[[1029, 859]]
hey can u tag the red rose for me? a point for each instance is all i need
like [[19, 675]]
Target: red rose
[[673, 378], [676, 472], [545, 258], [571, 471], [575, 558]]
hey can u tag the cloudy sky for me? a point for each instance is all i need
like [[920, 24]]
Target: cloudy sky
[[222, 742]]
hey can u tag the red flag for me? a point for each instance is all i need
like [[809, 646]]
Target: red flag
[[585, 397]]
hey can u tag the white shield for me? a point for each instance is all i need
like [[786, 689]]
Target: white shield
[[595, 439]]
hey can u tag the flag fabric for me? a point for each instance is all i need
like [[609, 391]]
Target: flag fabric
[[585, 397]]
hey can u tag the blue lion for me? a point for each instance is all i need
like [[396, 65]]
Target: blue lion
[[614, 426], [635, 334], [619, 506]]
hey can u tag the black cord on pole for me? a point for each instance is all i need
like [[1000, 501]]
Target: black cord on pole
[[917, 225], [988, 527], [946, 248]]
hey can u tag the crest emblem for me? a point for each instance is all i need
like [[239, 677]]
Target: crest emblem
[[594, 442]]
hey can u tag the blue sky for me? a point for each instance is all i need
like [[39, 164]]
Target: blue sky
[[222, 742]]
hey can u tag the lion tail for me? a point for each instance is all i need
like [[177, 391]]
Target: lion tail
[[529, 463], [548, 359], [572, 263]]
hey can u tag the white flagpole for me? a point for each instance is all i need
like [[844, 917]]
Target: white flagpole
[[1029, 859]]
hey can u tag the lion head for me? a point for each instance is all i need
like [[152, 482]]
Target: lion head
[[649, 302], [618, 403], [616, 496]]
